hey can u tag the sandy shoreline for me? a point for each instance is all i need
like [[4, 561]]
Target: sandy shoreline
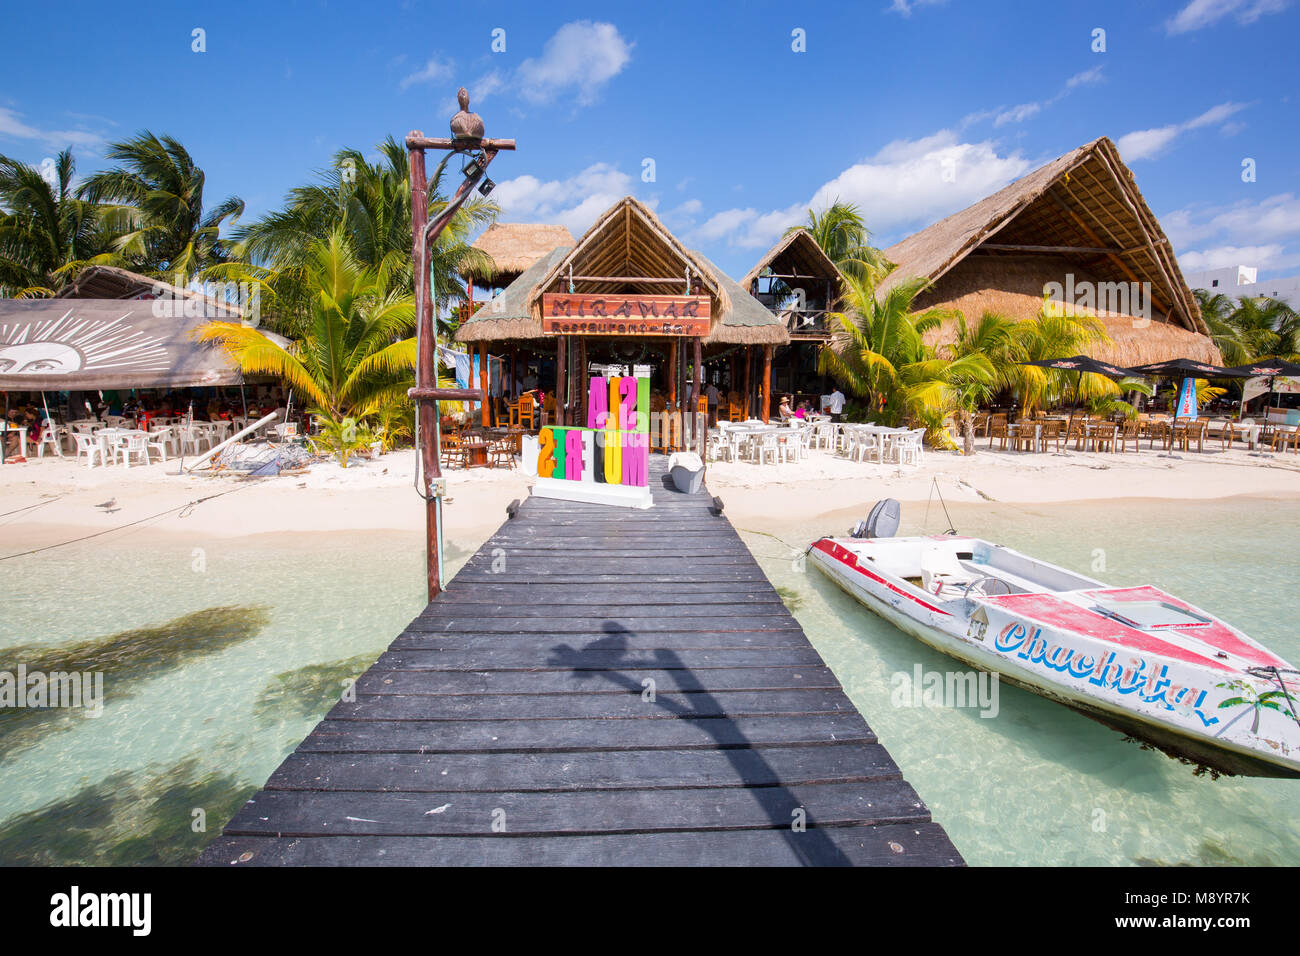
[[50, 501]]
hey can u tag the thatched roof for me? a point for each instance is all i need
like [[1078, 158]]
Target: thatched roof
[[1086, 200], [514, 246], [797, 253], [627, 240], [110, 282]]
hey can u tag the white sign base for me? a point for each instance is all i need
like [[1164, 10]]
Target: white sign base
[[594, 492]]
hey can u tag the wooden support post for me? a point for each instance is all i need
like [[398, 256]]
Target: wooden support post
[[485, 404], [561, 347], [672, 373], [749, 360], [765, 383], [580, 401], [695, 391]]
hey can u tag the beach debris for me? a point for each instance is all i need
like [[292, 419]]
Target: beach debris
[[265, 459]]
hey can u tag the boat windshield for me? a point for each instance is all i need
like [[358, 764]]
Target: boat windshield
[[1149, 615]]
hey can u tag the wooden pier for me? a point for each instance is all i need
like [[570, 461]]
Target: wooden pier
[[596, 686]]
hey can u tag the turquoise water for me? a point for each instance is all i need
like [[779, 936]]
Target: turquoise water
[[218, 663], [1039, 784]]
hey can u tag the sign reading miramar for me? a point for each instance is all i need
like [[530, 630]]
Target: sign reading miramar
[[588, 314]]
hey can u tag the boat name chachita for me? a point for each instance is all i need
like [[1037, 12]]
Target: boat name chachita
[[1104, 672]]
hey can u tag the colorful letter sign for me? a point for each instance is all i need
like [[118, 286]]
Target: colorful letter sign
[[614, 448]]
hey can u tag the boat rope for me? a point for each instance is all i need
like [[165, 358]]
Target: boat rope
[[934, 489], [184, 510], [30, 507]]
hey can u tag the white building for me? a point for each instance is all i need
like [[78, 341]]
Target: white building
[[1241, 281]]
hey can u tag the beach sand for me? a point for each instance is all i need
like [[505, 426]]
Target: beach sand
[[49, 501]]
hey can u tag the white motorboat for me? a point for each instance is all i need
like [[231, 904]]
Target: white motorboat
[[1135, 658]]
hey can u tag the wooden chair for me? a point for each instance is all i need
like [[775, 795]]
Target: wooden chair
[[454, 453], [998, 431], [1077, 433], [1132, 429], [1052, 431], [1103, 436], [1026, 436], [1195, 432], [501, 452], [1283, 436], [526, 414]]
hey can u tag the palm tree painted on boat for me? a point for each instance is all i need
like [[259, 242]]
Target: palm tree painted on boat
[[1248, 695]]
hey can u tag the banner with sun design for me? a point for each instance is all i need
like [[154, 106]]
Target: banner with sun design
[[88, 344]]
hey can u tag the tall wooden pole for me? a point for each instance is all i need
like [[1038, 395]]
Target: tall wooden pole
[[426, 392], [765, 384]]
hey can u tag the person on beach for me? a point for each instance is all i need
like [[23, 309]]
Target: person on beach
[[786, 410], [836, 405], [711, 393]]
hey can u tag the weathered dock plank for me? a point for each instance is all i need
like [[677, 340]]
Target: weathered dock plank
[[597, 687]]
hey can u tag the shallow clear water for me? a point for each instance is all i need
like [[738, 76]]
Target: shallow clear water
[[1039, 783], [200, 710]]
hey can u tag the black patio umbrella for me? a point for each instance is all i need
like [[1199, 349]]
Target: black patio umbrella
[[1273, 368], [1081, 364], [1185, 368]]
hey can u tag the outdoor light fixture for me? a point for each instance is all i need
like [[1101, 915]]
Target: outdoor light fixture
[[486, 186], [473, 170]]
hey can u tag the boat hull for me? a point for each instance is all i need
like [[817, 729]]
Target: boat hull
[[950, 633]]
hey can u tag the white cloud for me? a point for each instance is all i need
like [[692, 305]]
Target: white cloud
[[908, 183], [579, 58], [432, 71], [1264, 233], [905, 7], [1270, 256], [12, 126], [1145, 143], [574, 202], [1018, 114], [1202, 13]]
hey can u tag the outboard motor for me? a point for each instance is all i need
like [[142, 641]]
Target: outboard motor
[[882, 522]]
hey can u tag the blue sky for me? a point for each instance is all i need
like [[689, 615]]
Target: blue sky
[[744, 131]]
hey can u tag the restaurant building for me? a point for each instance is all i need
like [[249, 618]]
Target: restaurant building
[[629, 295], [1079, 228]]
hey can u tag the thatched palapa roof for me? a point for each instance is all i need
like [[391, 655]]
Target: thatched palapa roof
[[796, 253], [626, 242], [110, 282], [513, 247], [1080, 214]]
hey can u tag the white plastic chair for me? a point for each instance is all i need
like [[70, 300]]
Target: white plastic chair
[[906, 447], [134, 445], [50, 435], [159, 440], [89, 446]]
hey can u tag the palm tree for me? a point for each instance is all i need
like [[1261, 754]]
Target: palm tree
[[353, 357], [994, 338], [1217, 310], [1055, 333], [1267, 326], [842, 233], [371, 204], [879, 353], [156, 201], [46, 232]]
